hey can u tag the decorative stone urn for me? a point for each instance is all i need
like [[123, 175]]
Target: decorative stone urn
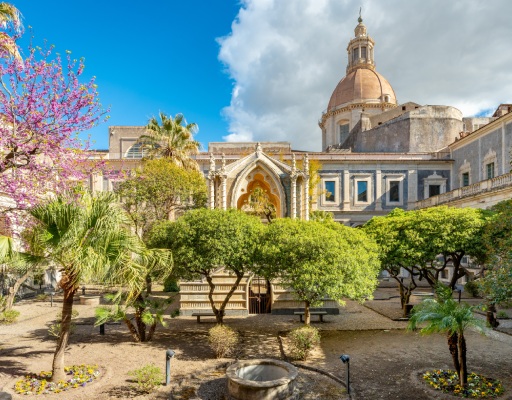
[[262, 379]]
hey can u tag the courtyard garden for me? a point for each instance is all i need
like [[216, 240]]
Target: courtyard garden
[[387, 362]]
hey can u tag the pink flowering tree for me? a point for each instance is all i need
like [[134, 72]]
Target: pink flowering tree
[[43, 107]]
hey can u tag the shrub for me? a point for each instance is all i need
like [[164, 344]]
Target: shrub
[[302, 340], [471, 288], [148, 377], [42, 297], [171, 284], [222, 340], [9, 317], [54, 329], [502, 314]]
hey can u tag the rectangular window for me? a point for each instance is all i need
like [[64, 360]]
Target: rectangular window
[[343, 133], [434, 190], [394, 191], [362, 191], [490, 170], [105, 184], [355, 54], [363, 52], [330, 187], [465, 179]]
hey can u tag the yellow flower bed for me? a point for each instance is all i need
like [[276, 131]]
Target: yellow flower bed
[[478, 386], [78, 375]]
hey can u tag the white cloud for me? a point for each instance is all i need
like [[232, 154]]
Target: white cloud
[[286, 57]]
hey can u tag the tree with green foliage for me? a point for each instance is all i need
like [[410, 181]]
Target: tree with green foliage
[[87, 236], [445, 314], [17, 264], [396, 250], [158, 190], [496, 283], [172, 138], [425, 242], [319, 261], [260, 204], [321, 216], [206, 241]]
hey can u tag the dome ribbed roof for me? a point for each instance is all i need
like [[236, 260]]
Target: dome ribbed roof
[[362, 85]]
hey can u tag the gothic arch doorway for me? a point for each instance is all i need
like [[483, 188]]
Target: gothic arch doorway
[[260, 301]]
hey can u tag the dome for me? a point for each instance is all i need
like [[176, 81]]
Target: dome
[[362, 85]]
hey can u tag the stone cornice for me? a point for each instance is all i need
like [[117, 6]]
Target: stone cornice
[[353, 106]]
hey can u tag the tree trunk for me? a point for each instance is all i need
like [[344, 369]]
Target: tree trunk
[[463, 371], [58, 373], [132, 329], [490, 315], [13, 290], [452, 345], [222, 308], [219, 314], [149, 285], [139, 310], [307, 314], [152, 329]]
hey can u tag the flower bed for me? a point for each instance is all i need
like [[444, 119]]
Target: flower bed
[[478, 386], [79, 375]]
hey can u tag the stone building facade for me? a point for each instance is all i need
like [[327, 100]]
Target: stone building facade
[[377, 155]]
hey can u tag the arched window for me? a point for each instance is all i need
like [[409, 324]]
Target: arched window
[[136, 151]]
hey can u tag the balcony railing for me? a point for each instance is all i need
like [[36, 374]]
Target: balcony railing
[[498, 182]]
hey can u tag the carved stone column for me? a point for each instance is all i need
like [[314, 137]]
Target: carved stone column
[[306, 196], [211, 177], [223, 182], [212, 192], [294, 197]]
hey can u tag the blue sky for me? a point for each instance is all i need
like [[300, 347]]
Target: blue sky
[[147, 56], [264, 70]]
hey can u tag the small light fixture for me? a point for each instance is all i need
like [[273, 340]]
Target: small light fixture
[[345, 359], [168, 355]]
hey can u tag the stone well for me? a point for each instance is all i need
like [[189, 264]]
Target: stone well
[[90, 300], [262, 379]]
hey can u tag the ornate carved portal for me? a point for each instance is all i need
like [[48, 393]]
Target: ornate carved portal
[[259, 186]]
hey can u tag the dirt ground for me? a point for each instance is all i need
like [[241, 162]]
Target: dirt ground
[[384, 358]]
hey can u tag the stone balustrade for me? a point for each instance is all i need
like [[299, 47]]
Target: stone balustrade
[[496, 183]]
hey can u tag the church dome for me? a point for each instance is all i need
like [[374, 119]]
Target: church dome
[[362, 85]]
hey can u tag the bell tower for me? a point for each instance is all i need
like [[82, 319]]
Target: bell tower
[[360, 49]]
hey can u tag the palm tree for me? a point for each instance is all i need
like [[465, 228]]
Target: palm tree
[[9, 15], [173, 139], [444, 314], [85, 236]]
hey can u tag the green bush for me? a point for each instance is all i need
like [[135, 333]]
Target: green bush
[[222, 340], [9, 317], [148, 377], [42, 297], [471, 288], [302, 340], [171, 284], [502, 314]]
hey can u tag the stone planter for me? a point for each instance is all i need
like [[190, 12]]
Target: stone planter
[[262, 379], [90, 300]]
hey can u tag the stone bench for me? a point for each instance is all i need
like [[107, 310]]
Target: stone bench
[[319, 313], [202, 314]]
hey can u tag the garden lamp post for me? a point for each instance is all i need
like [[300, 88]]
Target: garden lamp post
[[345, 359], [168, 355]]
